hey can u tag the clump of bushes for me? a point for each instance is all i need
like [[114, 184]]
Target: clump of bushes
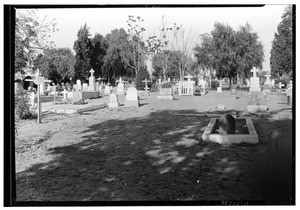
[[214, 84], [22, 106]]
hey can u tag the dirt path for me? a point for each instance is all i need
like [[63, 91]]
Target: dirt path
[[146, 153]]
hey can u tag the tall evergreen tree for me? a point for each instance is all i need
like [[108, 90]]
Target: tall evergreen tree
[[83, 48], [100, 46], [282, 57]]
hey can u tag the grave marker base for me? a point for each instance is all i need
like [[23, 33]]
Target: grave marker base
[[132, 103], [209, 136], [165, 97]]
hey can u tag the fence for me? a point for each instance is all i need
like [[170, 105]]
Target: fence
[[186, 88]]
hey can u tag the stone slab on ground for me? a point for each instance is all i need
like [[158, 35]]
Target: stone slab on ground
[[131, 103], [73, 110], [113, 104], [165, 97]]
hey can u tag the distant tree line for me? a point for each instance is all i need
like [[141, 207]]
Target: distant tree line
[[223, 52]]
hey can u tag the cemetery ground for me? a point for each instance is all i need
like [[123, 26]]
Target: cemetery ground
[[150, 153]]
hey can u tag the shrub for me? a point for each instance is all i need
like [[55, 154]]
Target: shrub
[[140, 76], [214, 84], [22, 106]]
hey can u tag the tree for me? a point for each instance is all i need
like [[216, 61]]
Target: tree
[[165, 64], [99, 48], [230, 53], [136, 58], [224, 53], [282, 57], [56, 64], [204, 54], [117, 60], [31, 37], [160, 45], [84, 48], [141, 75], [249, 51]]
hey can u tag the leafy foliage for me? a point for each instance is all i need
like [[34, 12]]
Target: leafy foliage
[[22, 106], [84, 48], [141, 75], [282, 57], [230, 53], [31, 37], [117, 59], [56, 64], [166, 63], [100, 46]]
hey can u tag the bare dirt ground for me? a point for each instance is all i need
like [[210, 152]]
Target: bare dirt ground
[[149, 153]]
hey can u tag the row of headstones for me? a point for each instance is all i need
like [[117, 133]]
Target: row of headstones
[[132, 99]]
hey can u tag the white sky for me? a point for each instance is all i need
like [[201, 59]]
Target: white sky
[[264, 21]]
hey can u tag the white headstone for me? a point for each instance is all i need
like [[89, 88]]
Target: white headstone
[[107, 90], [65, 92], [159, 81], [78, 85], [169, 79], [254, 81], [132, 94], [219, 89], [113, 98], [85, 87], [92, 81], [120, 88]]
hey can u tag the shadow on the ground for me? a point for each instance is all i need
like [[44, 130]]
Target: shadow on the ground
[[156, 158]]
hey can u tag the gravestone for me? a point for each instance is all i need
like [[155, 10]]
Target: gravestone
[[146, 85], [113, 100], [257, 101], [254, 81], [132, 98], [219, 89], [169, 79], [107, 90], [77, 98], [165, 94], [226, 124], [85, 87], [65, 93], [92, 80], [78, 85], [120, 89]]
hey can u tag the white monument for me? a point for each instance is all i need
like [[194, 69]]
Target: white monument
[[107, 90], [78, 85], [120, 89], [132, 98], [254, 81], [113, 100], [92, 80]]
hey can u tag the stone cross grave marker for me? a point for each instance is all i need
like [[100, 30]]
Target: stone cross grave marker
[[146, 85], [189, 77], [38, 81], [254, 71], [268, 81], [92, 81], [254, 81]]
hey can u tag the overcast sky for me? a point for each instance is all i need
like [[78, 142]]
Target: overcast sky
[[264, 21]]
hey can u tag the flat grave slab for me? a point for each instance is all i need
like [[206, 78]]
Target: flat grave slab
[[245, 132]]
